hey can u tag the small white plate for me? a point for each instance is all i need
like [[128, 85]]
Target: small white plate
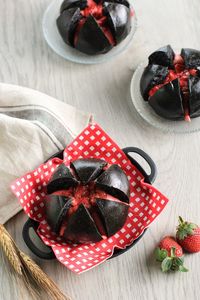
[[148, 114], [55, 41]]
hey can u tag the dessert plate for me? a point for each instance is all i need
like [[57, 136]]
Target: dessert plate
[[147, 113], [55, 41]]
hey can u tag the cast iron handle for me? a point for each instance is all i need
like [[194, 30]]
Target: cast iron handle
[[30, 243], [34, 225], [149, 178]]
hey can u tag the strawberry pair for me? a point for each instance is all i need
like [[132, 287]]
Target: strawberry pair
[[170, 250]]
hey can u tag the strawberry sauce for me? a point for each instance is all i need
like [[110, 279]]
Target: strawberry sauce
[[96, 10], [182, 74], [87, 195]]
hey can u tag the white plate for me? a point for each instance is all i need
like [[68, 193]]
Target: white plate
[[148, 114], [55, 41]]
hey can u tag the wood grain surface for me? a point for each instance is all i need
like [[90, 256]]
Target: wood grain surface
[[26, 59]]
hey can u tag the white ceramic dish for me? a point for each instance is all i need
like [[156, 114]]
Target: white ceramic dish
[[147, 113], [55, 41]]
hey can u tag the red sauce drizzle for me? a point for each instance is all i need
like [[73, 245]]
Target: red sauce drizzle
[[96, 10], [182, 74]]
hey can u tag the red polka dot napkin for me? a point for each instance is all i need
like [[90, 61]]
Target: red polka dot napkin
[[146, 202]]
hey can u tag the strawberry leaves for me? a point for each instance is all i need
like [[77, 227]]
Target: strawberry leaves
[[185, 228], [173, 264], [166, 264], [170, 262], [183, 269], [160, 254], [177, 262]]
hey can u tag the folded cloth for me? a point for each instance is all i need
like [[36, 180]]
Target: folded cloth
[[33, 126], [146, 202]]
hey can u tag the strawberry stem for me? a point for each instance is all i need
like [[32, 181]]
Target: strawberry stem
[[173, 250], [180, 220]]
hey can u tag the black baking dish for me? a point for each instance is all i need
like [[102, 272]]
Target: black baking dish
[[30, 227]]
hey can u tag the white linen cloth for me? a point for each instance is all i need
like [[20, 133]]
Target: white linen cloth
[[33, 126]]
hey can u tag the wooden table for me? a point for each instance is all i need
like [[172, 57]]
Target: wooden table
[[25, 59]]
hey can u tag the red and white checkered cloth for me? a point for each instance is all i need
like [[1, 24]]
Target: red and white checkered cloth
[[146, 202]]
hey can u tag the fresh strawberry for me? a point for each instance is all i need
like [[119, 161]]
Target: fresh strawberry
[[188, 236], [167, 243], [170, 254]]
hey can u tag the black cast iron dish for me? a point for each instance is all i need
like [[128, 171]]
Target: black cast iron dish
[[33, 225], [171, 83], [94, 26]]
